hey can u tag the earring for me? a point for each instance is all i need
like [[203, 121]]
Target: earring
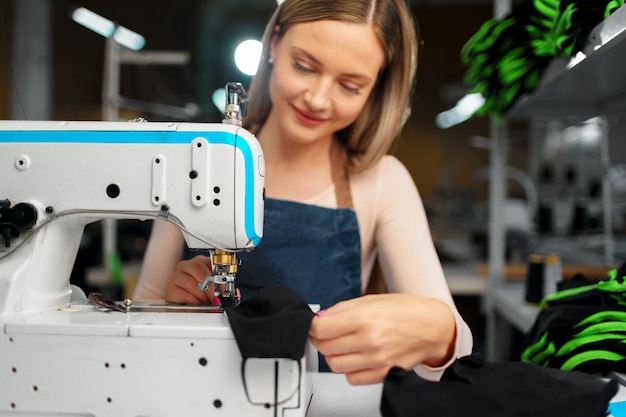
[[270, 61]]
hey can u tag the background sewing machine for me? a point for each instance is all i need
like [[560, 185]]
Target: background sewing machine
[[62, 355]]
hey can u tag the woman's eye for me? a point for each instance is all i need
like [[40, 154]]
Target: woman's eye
[[301, 67], [353, 90]]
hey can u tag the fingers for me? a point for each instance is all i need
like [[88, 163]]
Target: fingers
[[177, 295], [361, 367], [367, 376], [348, 348], [183, 286], [325, 328], [347, 344], [339, 320], [360, 351]]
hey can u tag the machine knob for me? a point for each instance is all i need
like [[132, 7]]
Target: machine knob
[[22, 216]]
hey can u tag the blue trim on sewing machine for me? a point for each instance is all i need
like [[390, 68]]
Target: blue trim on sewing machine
[[148, 137], [166, 137]]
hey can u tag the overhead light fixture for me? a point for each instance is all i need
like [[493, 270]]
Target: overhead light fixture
[[128, 38], [93, 21], [105, 27], [462, 111]]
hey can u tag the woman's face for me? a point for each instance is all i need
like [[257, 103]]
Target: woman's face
[[324, 72]]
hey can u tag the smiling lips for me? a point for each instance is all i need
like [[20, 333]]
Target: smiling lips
[[307, 118]]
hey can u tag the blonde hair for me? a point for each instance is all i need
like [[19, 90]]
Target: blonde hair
[[389, 105]]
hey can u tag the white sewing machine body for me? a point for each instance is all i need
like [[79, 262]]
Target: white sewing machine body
[[80, 361], [59, 354]]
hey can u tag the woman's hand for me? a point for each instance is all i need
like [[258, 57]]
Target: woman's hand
[[366, 336], [183, 285]]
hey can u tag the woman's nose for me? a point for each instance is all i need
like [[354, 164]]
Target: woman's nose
[[317, 96]]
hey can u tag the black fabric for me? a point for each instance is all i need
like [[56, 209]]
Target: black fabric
[[582, 327], [599, 342], [578, 280], [273, 323], [472, 387], [296, 236]]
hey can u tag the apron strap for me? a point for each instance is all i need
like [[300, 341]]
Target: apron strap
[[339, 171], [341, 178]]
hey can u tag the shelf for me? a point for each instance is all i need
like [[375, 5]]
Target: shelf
[[508, 301], [463, 280], [594, 86]]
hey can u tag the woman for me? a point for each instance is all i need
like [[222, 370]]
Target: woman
[[332, 93]]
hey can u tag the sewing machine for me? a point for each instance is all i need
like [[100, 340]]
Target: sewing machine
[[61, 354]]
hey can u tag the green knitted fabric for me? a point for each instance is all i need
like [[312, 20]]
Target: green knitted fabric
[[506, 57], [582, 328]]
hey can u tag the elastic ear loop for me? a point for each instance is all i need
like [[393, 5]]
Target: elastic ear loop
[[276, 402]]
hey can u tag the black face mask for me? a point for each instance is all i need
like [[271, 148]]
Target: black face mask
[[273, 323]]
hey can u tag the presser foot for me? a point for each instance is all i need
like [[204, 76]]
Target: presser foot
[[229, 301]]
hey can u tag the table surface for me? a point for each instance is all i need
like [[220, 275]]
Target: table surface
[[333, 396]]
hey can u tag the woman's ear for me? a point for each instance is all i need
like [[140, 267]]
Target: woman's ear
[[273, 43]]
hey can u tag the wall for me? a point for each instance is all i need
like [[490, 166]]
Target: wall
[[442, 160]]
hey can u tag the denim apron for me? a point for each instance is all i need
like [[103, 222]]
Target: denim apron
[[315, 250]]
